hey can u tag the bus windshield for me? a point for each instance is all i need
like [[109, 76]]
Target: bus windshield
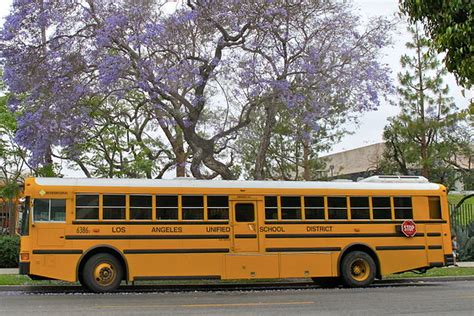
[[24, 217]]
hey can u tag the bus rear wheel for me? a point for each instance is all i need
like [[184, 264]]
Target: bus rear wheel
[[102, 273], [357, 269]]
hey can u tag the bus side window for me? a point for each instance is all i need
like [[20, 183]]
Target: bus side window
[[87, 206], [114, 206], [40, 210], [193, 207], [49, 210], [435, 207], [271, 208], [290, 207], [403, 207], [337, 207], [314, 207], [58, 210], [381, 207], [217, 207], [360, 207], [166, 207], [140, 206]]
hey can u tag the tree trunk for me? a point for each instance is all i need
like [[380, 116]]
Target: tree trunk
[[177, 144], [425, 170], [270, 121], [203, 152], [306, 162], [219, 167], [424, 144], [48, 159], [180, 156], [12, 216]]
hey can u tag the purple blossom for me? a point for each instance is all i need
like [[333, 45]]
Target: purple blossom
[[111, 69], [314, 64]]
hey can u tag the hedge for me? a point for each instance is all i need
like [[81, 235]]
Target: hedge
[[9, 251]]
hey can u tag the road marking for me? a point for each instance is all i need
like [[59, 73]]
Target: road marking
[[210, 305]]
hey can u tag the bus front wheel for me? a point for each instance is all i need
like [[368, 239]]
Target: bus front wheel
[[102, 273], [357, 269]]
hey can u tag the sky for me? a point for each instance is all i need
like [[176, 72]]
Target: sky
[[370, 127]]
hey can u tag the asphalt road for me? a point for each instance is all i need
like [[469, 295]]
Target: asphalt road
[[422, 298]]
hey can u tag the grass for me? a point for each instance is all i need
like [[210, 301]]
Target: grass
[[455, 198], [14, 279], [435, 272]]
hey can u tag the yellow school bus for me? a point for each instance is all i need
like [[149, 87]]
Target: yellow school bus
[[101, 232]]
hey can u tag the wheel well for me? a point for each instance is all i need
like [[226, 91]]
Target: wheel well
[[102, 249], [363, 248]]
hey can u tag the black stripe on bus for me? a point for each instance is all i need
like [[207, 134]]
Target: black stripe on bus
[[400, 248], [155, 223], [127, 237], [246, 236], [348, 222], [433, 234], [300, 249], [435, 247], [168, 251], [57, 252], [177, 277], [378, 235]]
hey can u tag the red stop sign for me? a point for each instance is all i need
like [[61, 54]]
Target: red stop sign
[[409, 228]]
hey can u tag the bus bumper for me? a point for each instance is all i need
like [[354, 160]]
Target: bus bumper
[[449, 260], [24, 268]]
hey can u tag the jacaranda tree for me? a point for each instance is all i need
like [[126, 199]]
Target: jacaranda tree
[[204, 68]]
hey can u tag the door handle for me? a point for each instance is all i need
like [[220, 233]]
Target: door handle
[[252, 227]]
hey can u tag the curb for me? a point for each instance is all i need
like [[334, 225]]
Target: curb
[[73, 288], [427, 279]]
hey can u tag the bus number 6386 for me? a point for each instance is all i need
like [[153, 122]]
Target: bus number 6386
[[82, 230]]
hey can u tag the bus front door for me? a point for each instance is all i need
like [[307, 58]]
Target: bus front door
[[244, 218]]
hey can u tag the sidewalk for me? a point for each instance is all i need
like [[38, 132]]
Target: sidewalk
[[9, 271], [460, 264]]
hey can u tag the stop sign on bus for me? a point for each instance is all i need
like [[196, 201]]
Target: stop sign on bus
[[409, 228]]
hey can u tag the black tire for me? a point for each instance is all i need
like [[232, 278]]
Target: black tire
[[81, 279], [327, 282], [357, 269], [102, 273]]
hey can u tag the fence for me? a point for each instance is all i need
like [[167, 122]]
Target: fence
[[462, 216], [462, 225]]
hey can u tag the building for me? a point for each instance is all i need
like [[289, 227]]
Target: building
[[356, 163], [364, 162]]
